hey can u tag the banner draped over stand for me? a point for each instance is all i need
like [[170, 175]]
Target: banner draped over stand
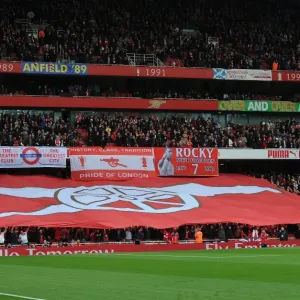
[[158, 202]]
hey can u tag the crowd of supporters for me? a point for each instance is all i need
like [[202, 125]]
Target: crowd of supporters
[[225, 34], [77, 90], [212, 232], [143, 130], [289, 182], [94, 90]]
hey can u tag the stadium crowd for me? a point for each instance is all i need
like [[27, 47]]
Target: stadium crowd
[[77, 90], [143, 130], [211, 232], [225, 34], [289, 182]]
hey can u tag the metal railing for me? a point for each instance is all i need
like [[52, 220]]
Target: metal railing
[[152, 60], [147, 242], [23, 21]]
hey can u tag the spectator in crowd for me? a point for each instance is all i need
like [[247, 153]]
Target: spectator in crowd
[[199, 236], [282, 234], [119, 235], [264, 238], [41, 239], [228, 232], [297, 232], [64, 235], [23, 237], [211, 232], [221, 233], [139, 235], [255, 234], [13, 238], [80, 235], [2, 236], [128, 235]]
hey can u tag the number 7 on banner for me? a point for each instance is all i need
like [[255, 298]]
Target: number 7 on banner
[[195, 168]]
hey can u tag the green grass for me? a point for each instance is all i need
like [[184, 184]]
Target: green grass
[[246, 274]]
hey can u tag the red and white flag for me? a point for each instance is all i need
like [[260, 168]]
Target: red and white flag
[[96, 163], [159, 202]]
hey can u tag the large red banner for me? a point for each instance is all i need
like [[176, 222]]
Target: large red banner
[[111, 163], [124, 248], [159, 203], [108, 103], [150, 72], [186, 161]]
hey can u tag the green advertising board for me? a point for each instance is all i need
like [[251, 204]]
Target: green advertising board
[[258, 106]]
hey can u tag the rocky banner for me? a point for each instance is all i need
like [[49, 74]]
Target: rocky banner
[[186, 161]]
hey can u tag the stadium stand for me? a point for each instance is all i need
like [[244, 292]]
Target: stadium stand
[[189, 33], [212, 232], [228, 34], [86, 91], [143, 130], [228, 231], [179, 115]]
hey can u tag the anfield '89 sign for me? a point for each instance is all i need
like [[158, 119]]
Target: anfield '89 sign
[[54, 68], [33, 157]]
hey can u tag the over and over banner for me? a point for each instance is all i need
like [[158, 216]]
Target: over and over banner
[[115, 163], [258, 106], [186, 161], [33, 157]]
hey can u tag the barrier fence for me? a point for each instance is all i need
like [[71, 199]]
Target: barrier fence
[[131, 248], [74, 69]]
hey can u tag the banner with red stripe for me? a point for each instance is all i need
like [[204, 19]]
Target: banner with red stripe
[[96, 163], [158, 202]]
